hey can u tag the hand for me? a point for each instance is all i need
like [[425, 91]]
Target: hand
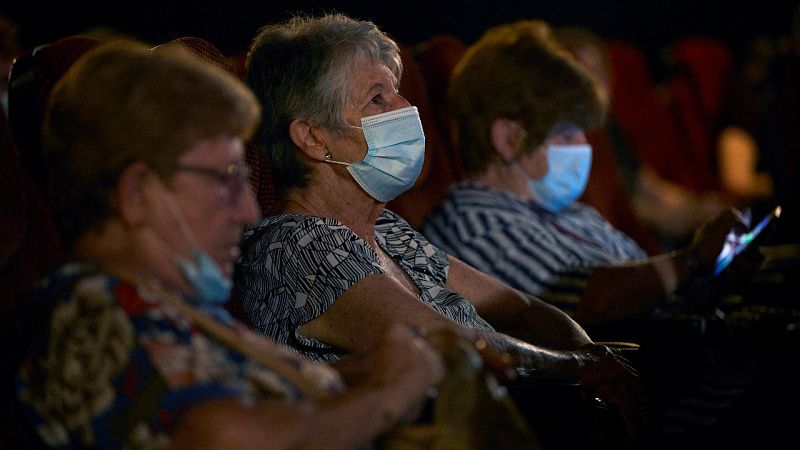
[[741, 270], [710, 237], [498, 363], [606, 374], [402, 362]]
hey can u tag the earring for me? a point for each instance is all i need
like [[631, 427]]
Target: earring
[[328, 156]]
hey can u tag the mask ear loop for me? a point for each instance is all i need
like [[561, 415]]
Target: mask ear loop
[[179, 217]]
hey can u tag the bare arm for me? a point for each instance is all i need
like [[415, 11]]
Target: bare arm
[[513, 312], [396, 376], [348, 421], [627, 290], [370, 306]]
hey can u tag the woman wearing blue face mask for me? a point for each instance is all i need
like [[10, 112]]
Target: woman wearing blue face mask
[[329, 268], [521, 105]]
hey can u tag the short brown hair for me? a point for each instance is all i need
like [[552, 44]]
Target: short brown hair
[[121, 103], [518, 71]]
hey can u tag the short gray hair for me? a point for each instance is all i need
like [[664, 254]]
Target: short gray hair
[[303, 68]]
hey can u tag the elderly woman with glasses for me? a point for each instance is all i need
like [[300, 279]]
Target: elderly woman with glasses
[[128, 344]]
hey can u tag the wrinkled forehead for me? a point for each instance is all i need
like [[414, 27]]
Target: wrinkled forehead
[[367, 75]]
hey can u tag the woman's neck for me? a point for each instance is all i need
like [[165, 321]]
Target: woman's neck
[[506, 177], [133, 255], [358, 212]]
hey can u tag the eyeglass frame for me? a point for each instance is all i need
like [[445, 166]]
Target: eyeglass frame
[[235, 178]]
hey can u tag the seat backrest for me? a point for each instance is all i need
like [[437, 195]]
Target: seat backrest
[[437, 174], [437, 58], [30, 247], [642, 115], [606, 192], [701, 72], [31, 79], [205, 50]]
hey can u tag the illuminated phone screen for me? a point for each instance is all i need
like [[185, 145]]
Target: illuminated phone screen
[[735, 244]]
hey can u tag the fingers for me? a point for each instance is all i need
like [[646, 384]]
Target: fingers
[[604, 366]]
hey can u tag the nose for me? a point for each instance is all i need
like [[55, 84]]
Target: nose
[[399, 102], [578, 137]]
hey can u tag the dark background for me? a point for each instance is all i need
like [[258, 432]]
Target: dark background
[[231, 24]]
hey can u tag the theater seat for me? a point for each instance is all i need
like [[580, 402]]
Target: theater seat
[[437, 57], [31, 79], [30, 247], [701, 71], [437, 172], [606, 192], [643, 116], [205, 50]]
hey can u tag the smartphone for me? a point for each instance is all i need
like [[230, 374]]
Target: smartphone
[[735, 244]]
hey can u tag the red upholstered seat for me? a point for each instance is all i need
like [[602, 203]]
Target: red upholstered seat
[[437, 172], [30, 247], [437, 58], [32, 77], [605, 191], [643, 115], [205, 50], [697, 89]]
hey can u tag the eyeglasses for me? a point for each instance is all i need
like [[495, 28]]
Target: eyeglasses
[[234, 178]]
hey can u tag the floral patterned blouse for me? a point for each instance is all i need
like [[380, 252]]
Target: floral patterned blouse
[[107, 363]]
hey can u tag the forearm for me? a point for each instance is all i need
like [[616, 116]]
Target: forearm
[[529, 358], [630, 290], [346, 421], [546, 325]]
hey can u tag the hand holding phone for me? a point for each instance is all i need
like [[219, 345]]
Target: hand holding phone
[[735, 243]]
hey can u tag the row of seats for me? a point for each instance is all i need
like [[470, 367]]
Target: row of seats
[[31, 247], [428, 65]]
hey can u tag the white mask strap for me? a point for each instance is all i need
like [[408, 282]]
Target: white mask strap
[[177, 214], [328, 159]]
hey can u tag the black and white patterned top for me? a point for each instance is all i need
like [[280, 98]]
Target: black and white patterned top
[[548, 255], [293, 268]]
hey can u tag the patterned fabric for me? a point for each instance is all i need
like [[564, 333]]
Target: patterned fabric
[[545, 254], [108, 364], [293, 268]]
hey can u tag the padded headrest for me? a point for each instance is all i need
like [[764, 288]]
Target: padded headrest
[[708, 62], [32, 77], [204, 49]]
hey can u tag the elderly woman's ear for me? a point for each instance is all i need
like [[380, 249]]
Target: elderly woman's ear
[[130, 196], [506, 138], [304, 136]]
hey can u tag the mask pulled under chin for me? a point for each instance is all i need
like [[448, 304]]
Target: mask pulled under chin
[[210, 285], [566, 177]]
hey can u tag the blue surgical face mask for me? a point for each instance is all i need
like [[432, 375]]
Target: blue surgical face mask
[[395, 154], [566, 176], [209, 283]]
